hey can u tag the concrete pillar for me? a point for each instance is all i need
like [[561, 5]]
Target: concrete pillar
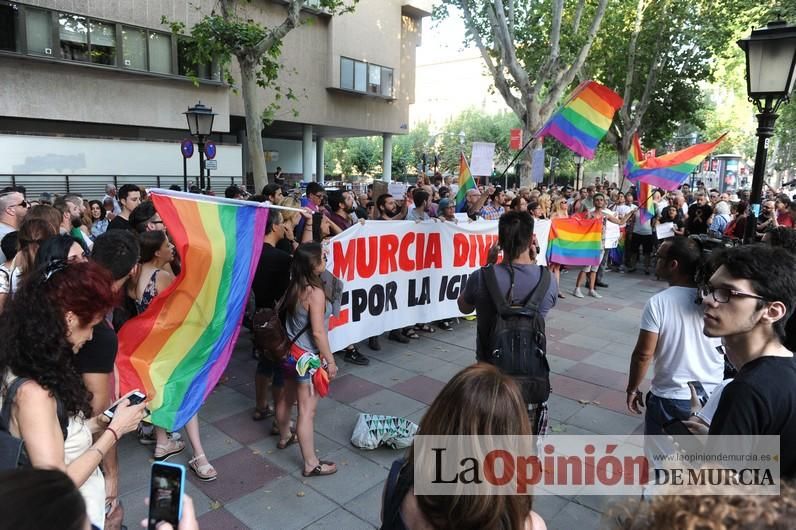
[[320, 173], [306, 154], [387, 157]]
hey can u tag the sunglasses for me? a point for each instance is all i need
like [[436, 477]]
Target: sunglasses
[[24, 204]]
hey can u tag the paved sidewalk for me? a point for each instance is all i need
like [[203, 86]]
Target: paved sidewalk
[[259, 486]]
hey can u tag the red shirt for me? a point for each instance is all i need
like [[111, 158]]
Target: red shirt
[[784, 219]]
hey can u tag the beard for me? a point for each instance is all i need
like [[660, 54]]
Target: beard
[[77, 222]]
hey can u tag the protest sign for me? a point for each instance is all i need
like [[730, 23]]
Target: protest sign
[[399, 273], [664, 230], [612, 233], [481, 163], [397, 189]]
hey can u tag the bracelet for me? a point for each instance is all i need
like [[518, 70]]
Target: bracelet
[[635, 392], [97, 449], [113, 432]]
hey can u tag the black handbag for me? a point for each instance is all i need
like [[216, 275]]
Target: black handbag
[[12, 449]]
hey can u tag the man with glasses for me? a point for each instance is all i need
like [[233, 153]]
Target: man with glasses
[[671, 337], [748, 302], [146, 219], [13, 208]]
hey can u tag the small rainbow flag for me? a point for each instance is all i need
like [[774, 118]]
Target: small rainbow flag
[[670, 170], [575, 241], [584, 119], [645, 203], [635, 157], [177, 349], [466, 183]]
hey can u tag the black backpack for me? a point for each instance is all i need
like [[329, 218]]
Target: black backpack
[[517, 343]]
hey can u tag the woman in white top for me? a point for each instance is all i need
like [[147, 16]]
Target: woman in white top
[[31, 233], [48, 320]]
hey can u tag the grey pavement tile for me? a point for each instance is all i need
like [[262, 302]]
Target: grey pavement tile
[[603, 421], [135, 461], [387, 402], [606, 360], [602, 503], [574, 516], [564, 428], [221, 518], [239, 474], [417, 415], [383, 456], [355, 475], [214, 442], [367, 506], [338, 519], [445, 371], [350, 388], [222, 402], [285, 504], [420, 387], [337, 422], [561, 408], [559, 364], [420, 362], [585, 341], [548, 506], [382, 373], [290, 458], [242, 428]]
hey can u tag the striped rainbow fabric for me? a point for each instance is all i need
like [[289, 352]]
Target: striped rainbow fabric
[[466, 183], [635, 157], [645, 203], [575, 241], [669, 171], [584, 119], [177, 349]]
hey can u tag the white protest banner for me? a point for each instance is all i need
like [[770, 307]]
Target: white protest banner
[[482, 158], [397, 189], [537, 165], [541, 229], [664, 230], [399, 273], [612, 235]]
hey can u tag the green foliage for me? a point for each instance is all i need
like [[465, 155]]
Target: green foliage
[[477, 127]]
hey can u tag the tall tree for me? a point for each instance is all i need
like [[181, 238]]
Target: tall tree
[[230, 31], [533, 51]]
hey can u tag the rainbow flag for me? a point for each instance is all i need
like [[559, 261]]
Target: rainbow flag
[[645, 203], [584, 119], [177, 349], [617, 254], [635, 157], [575, 241], [466, 183], [670, 170]]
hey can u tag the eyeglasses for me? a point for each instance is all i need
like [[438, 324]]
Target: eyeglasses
[[722, 295], [24, 204]]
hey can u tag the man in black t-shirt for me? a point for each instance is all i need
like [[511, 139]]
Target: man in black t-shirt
[[748, 301], [699, 215], [129, 198]]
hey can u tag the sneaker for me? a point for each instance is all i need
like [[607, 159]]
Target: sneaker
[[445, 326], [577, 293], [595, 294], [469, 318], [373, 344], [353, 356], [146, 434]]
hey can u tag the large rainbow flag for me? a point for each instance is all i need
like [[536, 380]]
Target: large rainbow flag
[[466, 183], [575, 241], [645, 203], [584, 119], [670, 170], [177, 349], [635, 157]]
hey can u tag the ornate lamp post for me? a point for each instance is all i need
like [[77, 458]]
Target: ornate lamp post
[[200, 124], [770, 78]]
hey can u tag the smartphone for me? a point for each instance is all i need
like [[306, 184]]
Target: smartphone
[[676, 428], [700, 392], [135, 398], [317, 219], [165, 494]]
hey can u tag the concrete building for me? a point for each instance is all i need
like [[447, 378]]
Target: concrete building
[[94, 87]]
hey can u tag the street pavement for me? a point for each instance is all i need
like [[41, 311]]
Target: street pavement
[[260, 487]]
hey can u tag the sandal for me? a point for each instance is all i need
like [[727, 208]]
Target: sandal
[[284, 444], [319, 471], [424, 328], [114, 514], [410, 333], [204, 472], [399, 337], [275, 429], [260, 414], [164, 452]]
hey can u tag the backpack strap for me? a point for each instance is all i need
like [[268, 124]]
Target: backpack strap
[[8, 401], [535, 298], [494, 289]]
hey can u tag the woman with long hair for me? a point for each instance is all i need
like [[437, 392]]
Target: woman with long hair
[[153, 278], [307, 312], [546, 203], [99, 221], [48, 320], [62, 247], [31, 234], [560, 211], [479, 400]]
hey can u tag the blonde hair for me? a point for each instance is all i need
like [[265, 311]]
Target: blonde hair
[[544, 202], [287, 215]]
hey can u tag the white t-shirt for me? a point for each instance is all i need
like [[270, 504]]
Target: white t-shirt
[[707, 412], [683, 352], [622, 210], [642, 229]]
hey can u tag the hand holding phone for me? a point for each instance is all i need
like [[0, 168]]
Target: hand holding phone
[[126, 416], [134, 398]]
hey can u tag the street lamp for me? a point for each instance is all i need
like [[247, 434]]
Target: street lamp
[[770, 62], [200, 124]]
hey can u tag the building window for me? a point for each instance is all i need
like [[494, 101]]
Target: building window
[[9, 27], [159, 52], [386, 82], [38, 28], [73, 32], [364, 77], [134, 48], [102, 36], [346, 73]]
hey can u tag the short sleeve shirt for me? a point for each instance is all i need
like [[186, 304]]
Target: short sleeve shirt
[[98, 355]]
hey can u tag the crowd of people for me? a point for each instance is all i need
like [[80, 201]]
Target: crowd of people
[[73, 271]]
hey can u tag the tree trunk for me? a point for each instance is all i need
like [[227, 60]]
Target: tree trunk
[[254, 123], [526, 160], [621, 155]]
